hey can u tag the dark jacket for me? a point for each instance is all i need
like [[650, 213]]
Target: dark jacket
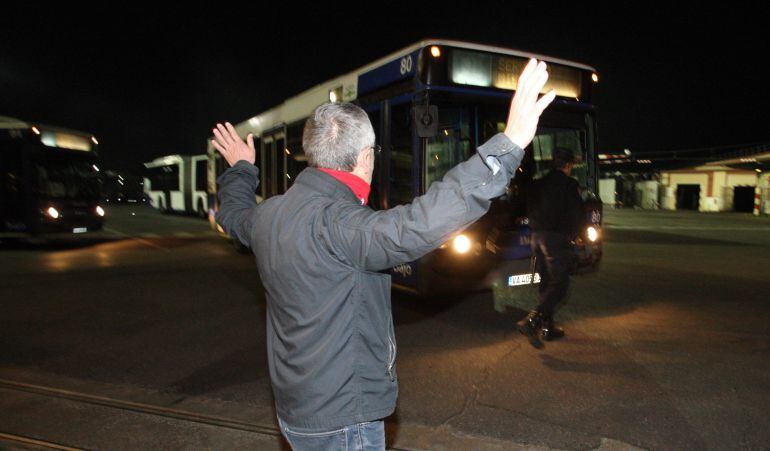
[[330, 342], [554, 205]]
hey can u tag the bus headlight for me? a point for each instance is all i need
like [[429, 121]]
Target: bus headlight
[[461, 244], [592, 233], [53, 213], [99, 210]]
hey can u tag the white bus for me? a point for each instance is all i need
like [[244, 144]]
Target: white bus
[[177, 183], [431, 104]]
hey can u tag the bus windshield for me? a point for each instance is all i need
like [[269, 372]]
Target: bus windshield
[[65, 176], [463, 128]]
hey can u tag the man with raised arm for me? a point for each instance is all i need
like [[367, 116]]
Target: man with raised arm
[[331, 347]]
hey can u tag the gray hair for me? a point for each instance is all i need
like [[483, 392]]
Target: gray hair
[[335, 134]]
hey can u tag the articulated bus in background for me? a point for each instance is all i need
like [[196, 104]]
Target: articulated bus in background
[[49, 181], [431, 105], [177, 183]]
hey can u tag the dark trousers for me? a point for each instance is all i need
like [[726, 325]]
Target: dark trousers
[[554, 259]]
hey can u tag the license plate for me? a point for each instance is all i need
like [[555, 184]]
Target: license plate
[[80, 230], [522, 279]]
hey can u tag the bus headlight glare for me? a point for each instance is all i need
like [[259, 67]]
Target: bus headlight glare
[[593, 234], [99, 210], [435, 51], [461, 244], [52, 212]]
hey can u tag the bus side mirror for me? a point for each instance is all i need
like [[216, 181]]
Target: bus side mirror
[[426, 120]]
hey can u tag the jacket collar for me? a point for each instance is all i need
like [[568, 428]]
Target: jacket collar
[[325, 184]]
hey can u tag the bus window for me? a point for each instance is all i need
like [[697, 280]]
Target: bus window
[[164, 178], [450, 147], [200, 175], [221, 164], [267, 181], [280, 167], [61, 176], [10, 169], [11, 184], [400, 184], [295, 157], [547, 140]]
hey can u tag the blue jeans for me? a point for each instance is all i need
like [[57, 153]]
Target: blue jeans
[[369, 436]]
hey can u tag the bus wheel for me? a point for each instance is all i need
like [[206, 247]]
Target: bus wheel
[[239, 247]]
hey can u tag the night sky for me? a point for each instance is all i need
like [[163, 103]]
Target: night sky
[[150, 82]]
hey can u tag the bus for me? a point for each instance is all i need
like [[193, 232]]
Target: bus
[[177, 183], [431, 105], [49, 181]]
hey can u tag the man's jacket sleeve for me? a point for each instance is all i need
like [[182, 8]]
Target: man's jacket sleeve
[[237, 202], [377, 240]]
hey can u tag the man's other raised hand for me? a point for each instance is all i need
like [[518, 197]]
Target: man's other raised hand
[[526, 108], [231, 146]]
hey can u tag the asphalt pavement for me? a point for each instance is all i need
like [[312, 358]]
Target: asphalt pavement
[[151, 335]]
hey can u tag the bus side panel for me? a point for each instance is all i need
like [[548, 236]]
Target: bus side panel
[[399, 69], [406, 275]]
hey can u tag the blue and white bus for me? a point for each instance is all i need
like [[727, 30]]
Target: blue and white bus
[[431, 105]]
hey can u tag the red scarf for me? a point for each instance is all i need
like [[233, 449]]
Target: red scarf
[[356, 184]]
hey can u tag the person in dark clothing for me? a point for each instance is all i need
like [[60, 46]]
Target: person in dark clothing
[[555, 211]]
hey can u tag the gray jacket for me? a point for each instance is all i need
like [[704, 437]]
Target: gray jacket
[[331, 348]]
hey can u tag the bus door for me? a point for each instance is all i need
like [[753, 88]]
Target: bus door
[[450, 147], [273, 163], [296, 160], [400, 172], [13, 195], [186, 174], [402, 146]]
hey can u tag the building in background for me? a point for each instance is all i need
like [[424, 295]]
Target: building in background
[[733, 178], [708, 188]]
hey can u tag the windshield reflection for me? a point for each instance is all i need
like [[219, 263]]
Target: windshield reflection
[[62, 176]]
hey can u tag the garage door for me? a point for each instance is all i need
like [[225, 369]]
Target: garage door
[[687, 197], [743, 198]]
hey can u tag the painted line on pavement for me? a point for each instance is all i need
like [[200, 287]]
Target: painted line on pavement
[[140, 240]]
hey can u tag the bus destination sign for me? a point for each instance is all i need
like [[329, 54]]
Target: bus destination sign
[[490, 70]]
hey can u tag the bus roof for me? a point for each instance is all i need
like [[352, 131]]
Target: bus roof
[[300, 106], [7, 122], [173, 159], [12, 123], [50, 135]]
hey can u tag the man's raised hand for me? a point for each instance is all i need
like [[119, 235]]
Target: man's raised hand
[[231, 146], [526, 108]]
